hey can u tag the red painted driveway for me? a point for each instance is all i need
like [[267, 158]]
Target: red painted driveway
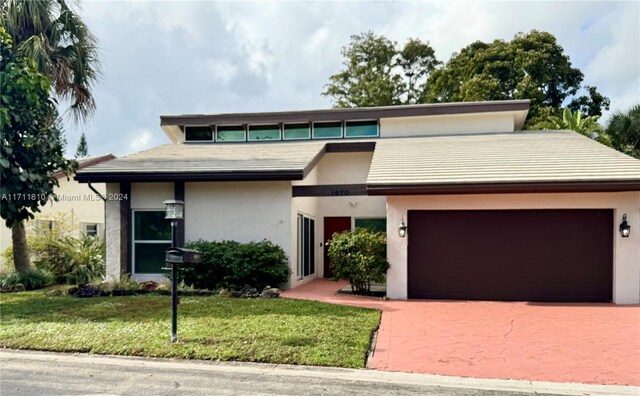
[[586, 343]]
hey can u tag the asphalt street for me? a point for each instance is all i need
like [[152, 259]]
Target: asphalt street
[[39, 373]]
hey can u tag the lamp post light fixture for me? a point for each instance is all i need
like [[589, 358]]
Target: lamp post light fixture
[[174, 212], [625, 228], [402, 229]]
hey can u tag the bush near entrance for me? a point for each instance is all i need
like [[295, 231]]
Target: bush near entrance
[[233, 265], [359, 257]]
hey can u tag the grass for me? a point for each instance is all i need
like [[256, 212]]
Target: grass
[[212, 328]]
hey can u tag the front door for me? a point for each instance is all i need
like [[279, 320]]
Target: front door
[[331, 226]]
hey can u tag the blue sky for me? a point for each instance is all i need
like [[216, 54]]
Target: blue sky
[[179, 57]]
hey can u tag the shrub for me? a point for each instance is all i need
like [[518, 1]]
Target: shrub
[[31, 280], [360, 257], [233, 265], [84, 259], [69, 259]]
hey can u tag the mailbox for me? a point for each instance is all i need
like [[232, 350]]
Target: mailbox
[[177, 255]]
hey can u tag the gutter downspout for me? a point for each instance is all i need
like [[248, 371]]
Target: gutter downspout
[[96, 191]]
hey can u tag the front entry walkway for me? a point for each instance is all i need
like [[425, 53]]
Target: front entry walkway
[[585, 343]]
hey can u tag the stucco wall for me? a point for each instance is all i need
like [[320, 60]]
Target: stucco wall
[[76, 201], [626, 261], [307, 206], [112, 234], [344, 168], [447, 124]]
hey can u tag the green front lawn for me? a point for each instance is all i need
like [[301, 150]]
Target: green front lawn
[[216, 328]]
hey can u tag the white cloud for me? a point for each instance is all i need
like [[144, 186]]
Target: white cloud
[[142, 140], [210, 57]]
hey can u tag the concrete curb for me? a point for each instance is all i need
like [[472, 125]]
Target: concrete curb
[[360, 375]]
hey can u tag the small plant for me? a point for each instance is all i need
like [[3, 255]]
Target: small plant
[[31, 280], [360, 257], [84, 259]]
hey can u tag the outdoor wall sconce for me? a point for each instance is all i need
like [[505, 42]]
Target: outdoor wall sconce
[[402, 230], [174, 209], [625, 228]]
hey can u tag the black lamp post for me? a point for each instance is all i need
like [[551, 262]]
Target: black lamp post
[[175, 213]]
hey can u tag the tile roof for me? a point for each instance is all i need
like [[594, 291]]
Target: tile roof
[[517, 157], [210, 158]]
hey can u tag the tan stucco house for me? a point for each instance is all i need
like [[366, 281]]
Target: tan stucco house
[[78, 204], [491, 211]]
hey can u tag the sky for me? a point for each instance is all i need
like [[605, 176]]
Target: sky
[[184, 57]]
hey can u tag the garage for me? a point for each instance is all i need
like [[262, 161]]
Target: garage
[[563, 255]]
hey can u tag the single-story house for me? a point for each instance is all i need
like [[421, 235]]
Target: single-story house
[[77, 204], [487, 210]]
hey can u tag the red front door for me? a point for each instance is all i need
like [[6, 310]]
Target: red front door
[[331, 226]]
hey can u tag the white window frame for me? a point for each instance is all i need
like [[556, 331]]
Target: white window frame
[[284, 127], [244, 128], [98, 229], [300, 248], [213, 134], [344, 129], [280, 129], [134, 241], [313, 130]]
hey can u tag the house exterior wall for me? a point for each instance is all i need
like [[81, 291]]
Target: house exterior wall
[[113, 229], [76, 202], [626, 260], [453, 124], [344, 168], [240, 211], [307, 206]]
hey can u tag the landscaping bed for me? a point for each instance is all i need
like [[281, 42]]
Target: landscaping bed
[[213, 328]]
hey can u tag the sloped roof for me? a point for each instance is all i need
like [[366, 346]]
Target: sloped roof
[[435, 164], [271, 161]]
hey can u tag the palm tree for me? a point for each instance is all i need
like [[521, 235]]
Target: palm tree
[[575, 121], [624, 130], [52, 34]]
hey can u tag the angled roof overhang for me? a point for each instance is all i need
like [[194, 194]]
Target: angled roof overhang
[[219, 162]]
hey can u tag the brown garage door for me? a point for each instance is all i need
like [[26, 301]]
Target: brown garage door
[[529, 255]]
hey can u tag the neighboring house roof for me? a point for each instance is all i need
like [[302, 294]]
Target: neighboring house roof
[[523, 161], [88, 161]]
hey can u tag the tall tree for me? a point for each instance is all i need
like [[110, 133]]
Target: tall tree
[[63, 49], [52, 34], [378, 73], [531, 66], [32, 144], [623, 129], [83, 148]]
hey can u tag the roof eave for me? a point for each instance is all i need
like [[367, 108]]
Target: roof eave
[[142, 177], [504, 188]]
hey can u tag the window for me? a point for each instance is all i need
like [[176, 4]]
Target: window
[[198, 133], [151, 238], [231, 133], [376, 225], [361, 129], [264, 132], [90, 229], [306, 246], [46, 225], [296, 131], [327, 130]]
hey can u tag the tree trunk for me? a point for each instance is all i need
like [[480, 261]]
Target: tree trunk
[[20, 250]]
